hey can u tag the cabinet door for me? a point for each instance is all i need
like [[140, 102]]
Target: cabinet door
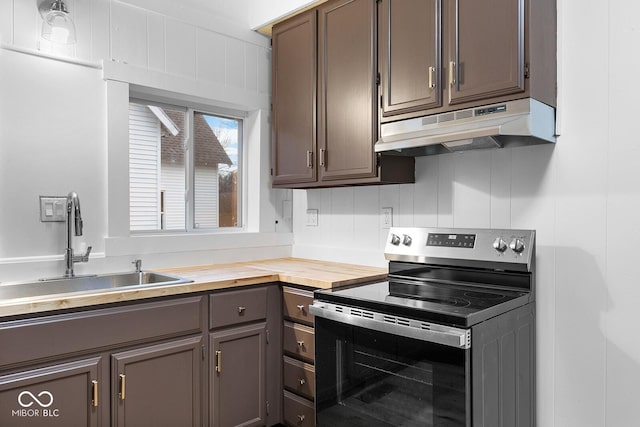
[[485, 51], [158, 385], [65, 394], [294, 100], [410, 60], [347, 117], [238, 377]]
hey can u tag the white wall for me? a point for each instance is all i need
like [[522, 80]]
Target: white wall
[[583, 198], [64, 121], [265, 12]]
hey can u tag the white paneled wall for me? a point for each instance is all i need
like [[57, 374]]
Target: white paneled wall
[[191, 53], [63, 113]]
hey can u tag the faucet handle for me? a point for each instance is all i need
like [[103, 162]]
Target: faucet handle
[[85, 257]]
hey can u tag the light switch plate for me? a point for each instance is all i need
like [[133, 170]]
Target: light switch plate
[[53, 209]]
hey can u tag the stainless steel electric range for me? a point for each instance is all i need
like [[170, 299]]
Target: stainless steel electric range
[[448, 340]]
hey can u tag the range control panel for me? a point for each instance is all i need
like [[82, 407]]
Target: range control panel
[[451, 240], [502, 246]]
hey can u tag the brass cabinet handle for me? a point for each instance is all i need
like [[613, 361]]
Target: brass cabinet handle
[[302, 381], [310, 159], [452, 73], [432, 77], [94, 392], [241, 309], [123, 386], [300, 418], [323, 154], [300, 344], [300, 307], [218, 361]]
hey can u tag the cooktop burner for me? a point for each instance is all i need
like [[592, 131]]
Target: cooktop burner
[[447, 295], [448, 303]]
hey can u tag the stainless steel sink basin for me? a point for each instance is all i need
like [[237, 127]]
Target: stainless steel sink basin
[[45, 288]]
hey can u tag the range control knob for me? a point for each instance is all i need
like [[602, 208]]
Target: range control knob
[[499, 245], [517, 245], [406, 240], [395, 239]]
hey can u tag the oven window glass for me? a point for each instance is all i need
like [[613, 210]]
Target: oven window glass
[[370, 378]]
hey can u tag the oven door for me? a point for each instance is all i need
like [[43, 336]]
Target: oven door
[[388, 371]]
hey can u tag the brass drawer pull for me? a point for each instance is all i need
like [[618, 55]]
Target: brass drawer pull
[[452, 73], [123, 386], [241, 309], [94, 392], [300, 307], [310, 159], [432, 77], [300, 418], [218, 361], [302, 381], [300, 344]]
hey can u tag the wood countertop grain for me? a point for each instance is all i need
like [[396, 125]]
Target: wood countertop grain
[[297, 271]]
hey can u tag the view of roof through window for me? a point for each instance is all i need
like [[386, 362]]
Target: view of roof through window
[[158, 169]]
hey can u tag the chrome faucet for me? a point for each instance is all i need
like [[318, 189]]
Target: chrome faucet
[[73, 209]]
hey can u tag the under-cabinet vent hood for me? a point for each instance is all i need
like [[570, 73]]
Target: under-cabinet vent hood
[[521, 122]]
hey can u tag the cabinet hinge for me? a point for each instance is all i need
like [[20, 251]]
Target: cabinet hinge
[[526, 70], [203, 352], [378, 79], [268, 407], [267, 336], [271, 171]]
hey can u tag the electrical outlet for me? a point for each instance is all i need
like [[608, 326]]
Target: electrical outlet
[[312, 217], [387, 217]]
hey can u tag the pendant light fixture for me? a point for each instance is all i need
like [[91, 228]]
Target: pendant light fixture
[[57, 25]]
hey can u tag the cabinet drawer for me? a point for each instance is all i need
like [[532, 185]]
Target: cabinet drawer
[[298, 412], [299, 341], [230, 308], [299, 377], [296, 305], [51, 336]]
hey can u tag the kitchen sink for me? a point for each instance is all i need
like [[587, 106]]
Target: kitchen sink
[[48, 287]]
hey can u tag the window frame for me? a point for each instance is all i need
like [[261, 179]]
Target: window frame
[[190, 109]]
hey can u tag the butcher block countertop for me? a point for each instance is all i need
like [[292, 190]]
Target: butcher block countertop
[[297, 271]]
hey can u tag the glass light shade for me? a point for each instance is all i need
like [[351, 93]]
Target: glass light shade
[[58, 27]]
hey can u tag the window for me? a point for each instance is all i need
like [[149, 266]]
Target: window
[[184, 168]]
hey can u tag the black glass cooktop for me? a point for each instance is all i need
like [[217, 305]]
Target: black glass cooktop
[[437, 302]]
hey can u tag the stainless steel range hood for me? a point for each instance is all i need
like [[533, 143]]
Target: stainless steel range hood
[[521, 122]]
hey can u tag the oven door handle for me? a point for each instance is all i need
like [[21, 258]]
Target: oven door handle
[[410, 328]]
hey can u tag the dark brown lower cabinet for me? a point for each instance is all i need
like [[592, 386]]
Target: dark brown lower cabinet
[[238, 376], [64, 394], [198, 360], [158, 385]]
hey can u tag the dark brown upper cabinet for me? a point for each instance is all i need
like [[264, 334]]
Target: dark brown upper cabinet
[[324, 95], [410, 55], [444, 55], [294, 100]]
